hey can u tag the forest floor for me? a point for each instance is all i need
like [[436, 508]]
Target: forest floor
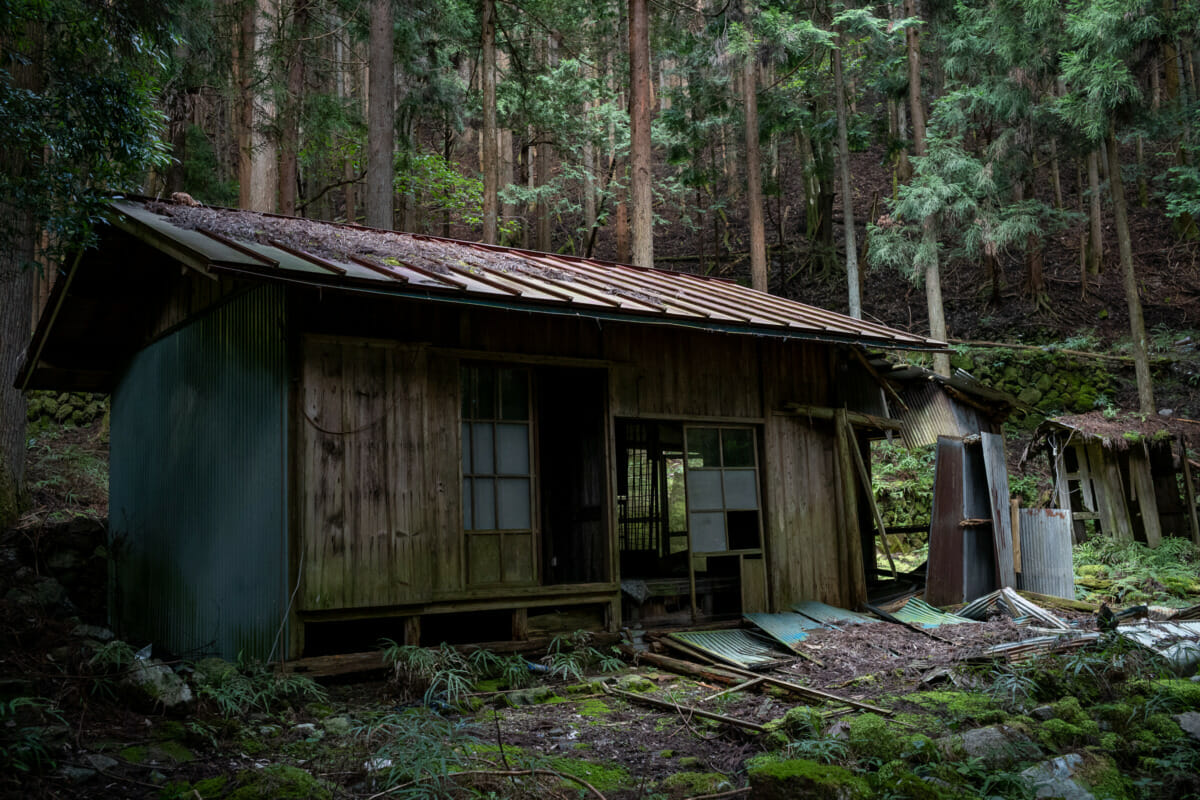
[[948, 723]]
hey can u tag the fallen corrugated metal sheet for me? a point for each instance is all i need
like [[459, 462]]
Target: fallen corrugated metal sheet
[[786, 628], [829, 615], [1177, 642], [738, 647], [269, 247], [1011, 603], [1046, 563], [917, 612], [1039, 645]]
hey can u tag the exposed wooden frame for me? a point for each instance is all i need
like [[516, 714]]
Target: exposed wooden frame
[[855, 418]]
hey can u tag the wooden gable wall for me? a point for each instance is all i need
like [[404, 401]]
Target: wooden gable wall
[[377, 442]]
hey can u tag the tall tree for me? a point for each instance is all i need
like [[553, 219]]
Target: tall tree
[[381, 117], [77, 107], [640, 156], [491, 152], [754, 198]]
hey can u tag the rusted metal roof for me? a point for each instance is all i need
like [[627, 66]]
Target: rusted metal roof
[[352, 258]]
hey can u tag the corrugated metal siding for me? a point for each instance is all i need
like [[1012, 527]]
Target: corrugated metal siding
[[930, 414], [1046, 566], [197, 483]]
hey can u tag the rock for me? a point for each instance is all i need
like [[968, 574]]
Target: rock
[[1190, 722], [337, 726], [100, 762], [158, 684], [93, 632], [1055, 778], [997, 746], [636, 683], [785, 780], [306, 728], [46, 593], [278, 781], [76, 774], [1042, 713]]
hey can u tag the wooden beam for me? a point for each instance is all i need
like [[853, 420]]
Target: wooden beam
[[865, 477], [856, 418], [874, 373], [1142, 484], [687, 711], [1190, 491]]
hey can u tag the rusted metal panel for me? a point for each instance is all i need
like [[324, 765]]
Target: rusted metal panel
[[996, 469], [1046, 565], [944, 572], [197, 484], [270, 247]]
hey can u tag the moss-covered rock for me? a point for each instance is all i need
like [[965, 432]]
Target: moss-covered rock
[[691, 784], [872, 736], [1182, 695], [280, 782], [791, 778], [606, 777]]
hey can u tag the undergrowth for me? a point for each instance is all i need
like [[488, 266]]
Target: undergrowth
[[1131, 572], [253, 685]]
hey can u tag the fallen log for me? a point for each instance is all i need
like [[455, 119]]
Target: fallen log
[[680, 667], [665, 705]]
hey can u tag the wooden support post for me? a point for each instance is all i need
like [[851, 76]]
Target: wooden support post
[[520, 624], [865, 477], [1015, 505], [1143, 486], [852, 581], [1190, 491], [412, 631]]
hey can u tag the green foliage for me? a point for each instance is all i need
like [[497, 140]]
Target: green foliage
[[570, 656], [25, 743], [440, 187], [1131, 571], [234, 689], [86, 124], [442, 673]]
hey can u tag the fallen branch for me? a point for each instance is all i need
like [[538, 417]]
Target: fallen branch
[[730, 793], [499, 773], [654, 702]]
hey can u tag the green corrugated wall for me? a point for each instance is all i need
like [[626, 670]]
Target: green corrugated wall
[[197, 484]]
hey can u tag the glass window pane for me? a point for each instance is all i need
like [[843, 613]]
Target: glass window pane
[[481, 449], [466, 449], [704, 489], [514, 394], [514, 504], [485, 505], [468, 522], [708, 531], [512, 449], [741, 490], [485, 404], [738, 447], [704, 448]]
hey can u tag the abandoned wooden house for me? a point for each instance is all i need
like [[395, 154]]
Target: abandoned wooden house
[[1125, 476], [323, 434]]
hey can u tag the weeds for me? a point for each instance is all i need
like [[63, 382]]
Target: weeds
[[24, 743], [1132, 572], [252, 685], [572, 655]]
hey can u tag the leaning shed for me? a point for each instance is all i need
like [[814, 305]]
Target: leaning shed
[[1127, 476], [324, 434]]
